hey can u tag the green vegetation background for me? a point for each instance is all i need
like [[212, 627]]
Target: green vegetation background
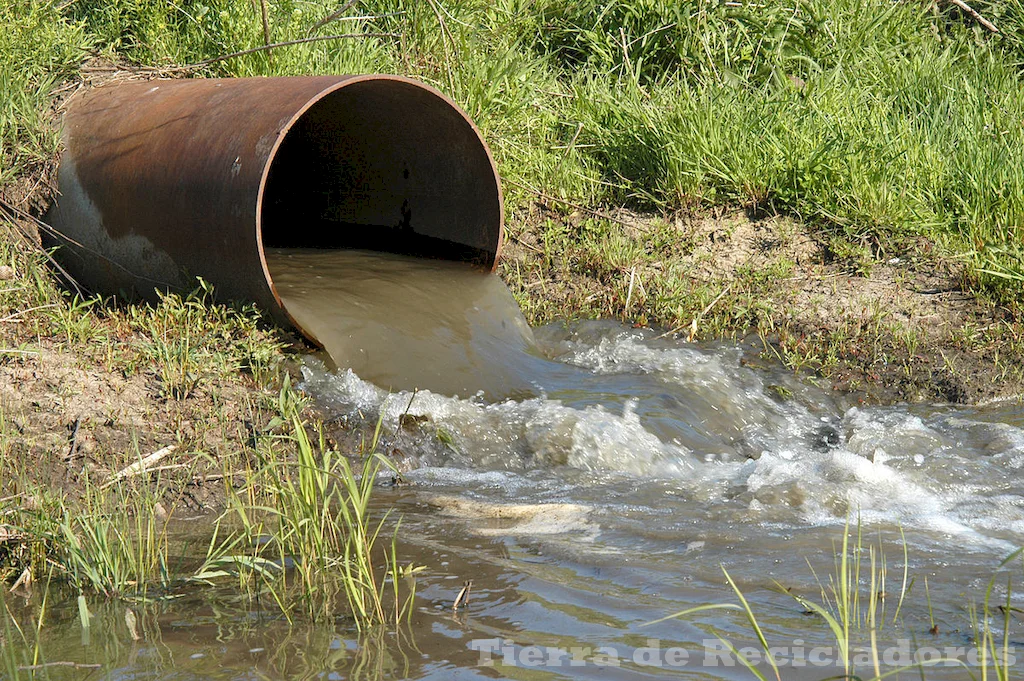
[[876, 120]]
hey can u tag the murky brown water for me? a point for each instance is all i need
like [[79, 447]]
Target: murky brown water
[[406, 323], [625, 473]]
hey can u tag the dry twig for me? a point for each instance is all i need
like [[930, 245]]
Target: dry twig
[[287, 43], [333, 16], [141, 466], [973, 13], [46, 665], [693, 323], [570, 204]]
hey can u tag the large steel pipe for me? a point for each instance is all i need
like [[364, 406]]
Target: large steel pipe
[[163, 181]]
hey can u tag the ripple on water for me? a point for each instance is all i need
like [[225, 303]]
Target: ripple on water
[[736, 451]]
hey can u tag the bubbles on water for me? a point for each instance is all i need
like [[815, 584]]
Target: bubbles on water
[[734, 444]]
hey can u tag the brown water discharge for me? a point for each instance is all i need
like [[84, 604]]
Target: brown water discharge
[[408, 323]]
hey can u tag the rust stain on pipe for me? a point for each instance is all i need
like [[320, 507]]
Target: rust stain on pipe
[[166, 180]]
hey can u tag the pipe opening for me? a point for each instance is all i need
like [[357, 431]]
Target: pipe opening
[[384, 164]]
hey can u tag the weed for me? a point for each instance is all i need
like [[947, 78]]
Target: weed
[[852, 607], [312, 533]]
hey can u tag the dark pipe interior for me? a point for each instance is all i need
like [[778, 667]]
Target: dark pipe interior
[[384, 165]]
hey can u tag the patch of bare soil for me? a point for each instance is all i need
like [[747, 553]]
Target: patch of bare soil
[[900, 329], [67, 420], [75, 415]]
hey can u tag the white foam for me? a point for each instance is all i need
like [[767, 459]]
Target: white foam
[[938, 472]]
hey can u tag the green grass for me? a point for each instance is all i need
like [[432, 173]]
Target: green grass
[[300, 529], [878, 122], [39, 49], [885, 125], [881, 124], [313, 540]]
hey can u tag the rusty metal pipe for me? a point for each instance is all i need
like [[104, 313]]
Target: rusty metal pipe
[[163, 181]]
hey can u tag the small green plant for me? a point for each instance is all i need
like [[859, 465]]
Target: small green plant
[[311, 530], [186, 339], [175, 330], [74, 320], [114, 544]]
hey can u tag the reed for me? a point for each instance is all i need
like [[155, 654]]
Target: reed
[[309, 537], [114, 545], [851, 606]]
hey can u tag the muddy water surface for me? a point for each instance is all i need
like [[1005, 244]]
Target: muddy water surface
[[602, 479], [406, 323]]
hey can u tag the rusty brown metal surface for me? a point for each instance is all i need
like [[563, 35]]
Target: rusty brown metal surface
[[163, 181]]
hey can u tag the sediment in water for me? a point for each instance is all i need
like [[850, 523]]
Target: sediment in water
[[408, 323]]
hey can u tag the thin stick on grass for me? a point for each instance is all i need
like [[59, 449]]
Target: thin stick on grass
[[333, 16], [629, 293], [973, 13], [9, 211], [15, 316], [63, 663], [446, 38], [266, 22], [170, 467], [141, 466], [336, 16], [693, 323], [204, 478], [524, 244], [359, 17], [7, 500], [287, 43], [570, 204]]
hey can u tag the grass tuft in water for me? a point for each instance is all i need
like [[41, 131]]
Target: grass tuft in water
[[852, 607], [301, 530], [314, 540]]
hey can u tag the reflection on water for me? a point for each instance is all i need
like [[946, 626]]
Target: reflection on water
[[195, 636], [609, 490]]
